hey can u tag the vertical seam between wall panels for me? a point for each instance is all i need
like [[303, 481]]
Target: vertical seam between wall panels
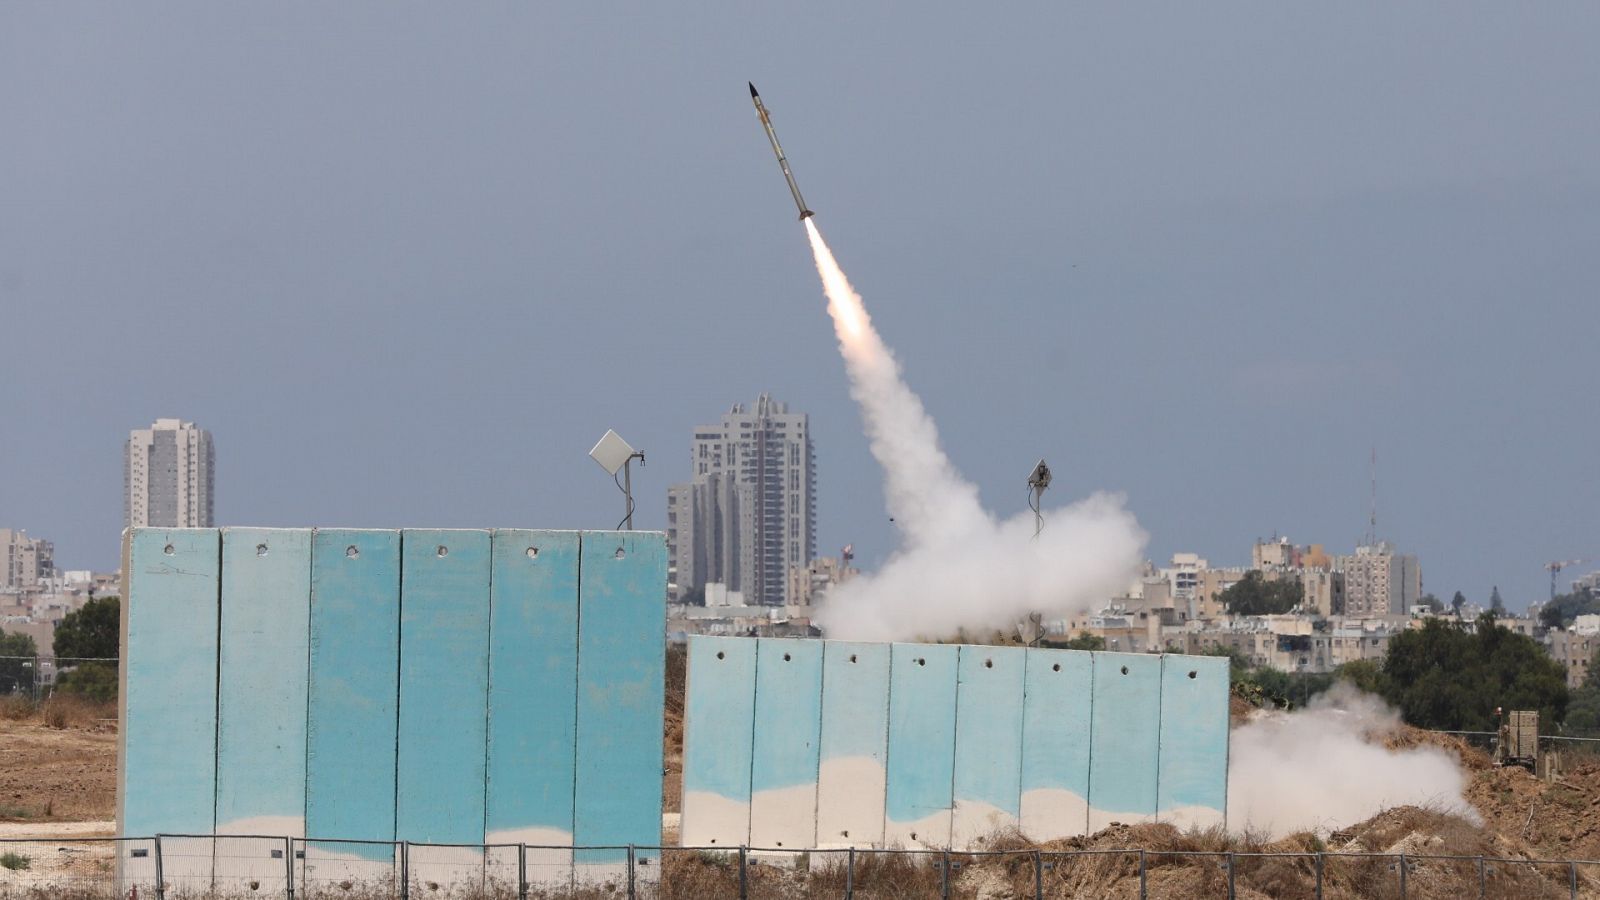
[[1088, 773], [216, 714], [888, 728], [488, 705], [955, 748], [399, 671], [1161, 690], [311, 633], [750, 771], [1022, 729], [577, 683], [816, 782]]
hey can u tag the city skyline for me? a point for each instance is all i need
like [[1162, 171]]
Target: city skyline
[[1208, 259]]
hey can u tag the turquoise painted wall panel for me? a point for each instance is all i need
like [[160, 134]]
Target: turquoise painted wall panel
[[533, 690], [1125, 738], [444, 686], [621, 649], [718, 718], [261, 728], [261, 699], [855, 730], [353, 694], [922, 734], [169, 735], [1055, 743], [988, 754], [788, 738], [1192, 785]]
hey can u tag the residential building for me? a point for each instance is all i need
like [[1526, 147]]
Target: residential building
[[1379, 582], [810, 583], [747, 516], [1575, 650], [168, 476], [24, 561]]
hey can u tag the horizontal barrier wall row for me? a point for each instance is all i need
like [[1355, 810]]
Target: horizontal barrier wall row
[[827, 744], [443, 687]]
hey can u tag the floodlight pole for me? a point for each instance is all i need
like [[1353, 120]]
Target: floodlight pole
[[627, 487]]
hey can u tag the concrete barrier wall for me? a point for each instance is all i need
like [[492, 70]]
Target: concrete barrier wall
[[366, 685], [932, 746]]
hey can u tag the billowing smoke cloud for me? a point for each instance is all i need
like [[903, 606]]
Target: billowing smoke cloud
[[958, 567], [1325, 767]]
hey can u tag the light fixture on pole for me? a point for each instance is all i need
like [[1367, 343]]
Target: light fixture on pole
[[615, 454], [1038, 480]]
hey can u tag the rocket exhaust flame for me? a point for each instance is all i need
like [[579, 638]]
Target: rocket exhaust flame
[[958, 567]]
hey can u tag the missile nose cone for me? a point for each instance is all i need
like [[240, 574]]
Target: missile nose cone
[[753, 89]]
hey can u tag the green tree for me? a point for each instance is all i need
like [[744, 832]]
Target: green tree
[[95, 681], [18, 656], [1456, 602], [1495, 603], [1448, 675], [1365, 674], [1560, 612], [1254, 595], [1083, 642], [91, 632]]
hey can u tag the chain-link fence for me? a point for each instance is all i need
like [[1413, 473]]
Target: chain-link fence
[[234, 867], [37, 676]]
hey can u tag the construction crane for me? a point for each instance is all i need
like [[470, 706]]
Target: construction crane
[[1554, 568]]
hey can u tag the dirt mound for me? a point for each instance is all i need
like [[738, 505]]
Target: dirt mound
[[1557, 819]]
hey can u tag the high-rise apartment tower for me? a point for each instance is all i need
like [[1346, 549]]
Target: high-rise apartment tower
[[748, 514], [168, 473]]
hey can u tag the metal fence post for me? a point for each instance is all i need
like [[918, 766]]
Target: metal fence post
[[944, 875], [850, 874], [161, 878], [1483, 880], [405, 870], [1319, 875], [522, 872], [744, 878], [288, 868], [1572, 878], [631, 890], [1230, 875], [1038, 876], [1142, 884], [1402, 876]]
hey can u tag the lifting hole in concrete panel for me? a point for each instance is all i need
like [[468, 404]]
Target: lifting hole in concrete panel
[[620, 554], [442, 550], [1124, 670], [785, 659], [852, 657], [351, 552], [261, 549], [719, 654], [921, 661], [1191, 673], [533, 552], [1056, 667], [168, 550], [988, 664]]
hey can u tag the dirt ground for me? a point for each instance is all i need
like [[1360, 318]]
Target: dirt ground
[[57, 774]]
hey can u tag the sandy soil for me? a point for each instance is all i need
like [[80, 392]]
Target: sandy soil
[[57, 774]]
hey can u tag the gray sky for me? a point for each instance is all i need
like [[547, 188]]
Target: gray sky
[[407, 262]]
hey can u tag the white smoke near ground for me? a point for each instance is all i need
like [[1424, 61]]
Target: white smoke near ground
[[1326, 767], [958, 567]]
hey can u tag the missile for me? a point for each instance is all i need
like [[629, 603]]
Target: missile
[[766, 122]]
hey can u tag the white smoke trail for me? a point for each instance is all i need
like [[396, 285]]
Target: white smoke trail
[[958, 566], [1325, 767]]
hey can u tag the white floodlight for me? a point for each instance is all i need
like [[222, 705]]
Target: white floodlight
[[615, 454], [612, 452]]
